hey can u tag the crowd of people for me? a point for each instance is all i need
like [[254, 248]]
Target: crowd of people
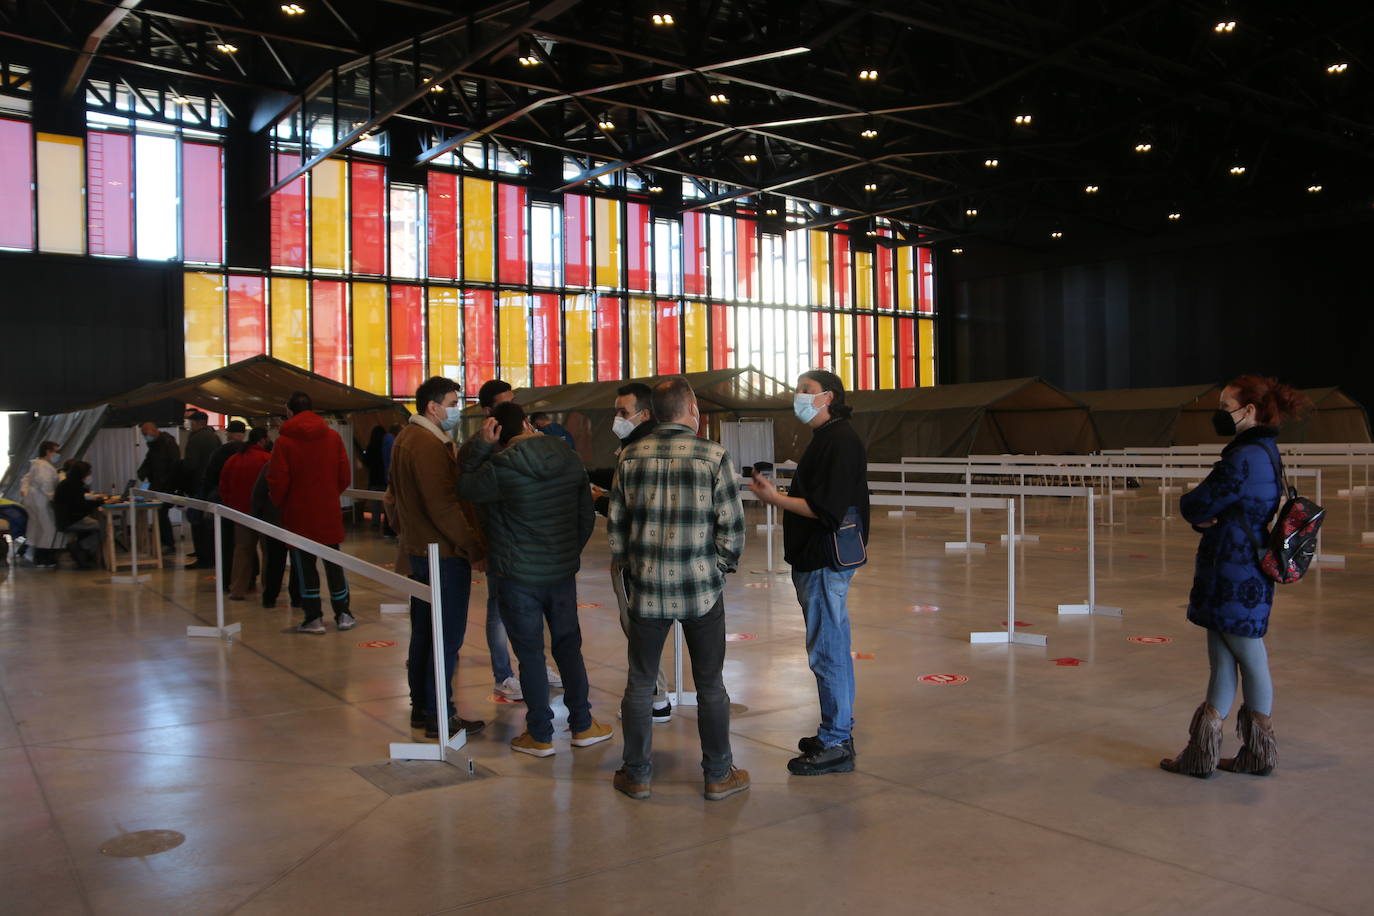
[[517, 504]]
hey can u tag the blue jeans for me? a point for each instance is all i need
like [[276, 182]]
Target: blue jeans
[[455, 581], [496, 637], [525, 608], [822, 594]]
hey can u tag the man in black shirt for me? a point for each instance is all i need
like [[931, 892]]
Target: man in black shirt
[[830, 482]]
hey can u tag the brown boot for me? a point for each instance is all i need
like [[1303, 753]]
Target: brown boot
[[1199, 758], [1259, 752]]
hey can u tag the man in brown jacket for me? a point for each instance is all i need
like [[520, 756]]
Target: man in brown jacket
[[424, 486]]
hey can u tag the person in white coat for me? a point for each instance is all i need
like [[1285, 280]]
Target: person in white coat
[[36, 491]]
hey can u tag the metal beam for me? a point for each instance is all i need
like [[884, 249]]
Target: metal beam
[[112, 18]]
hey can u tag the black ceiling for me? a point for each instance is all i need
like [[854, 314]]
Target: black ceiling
[[1098, 80]]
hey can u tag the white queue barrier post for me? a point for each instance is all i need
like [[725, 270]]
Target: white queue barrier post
[[1325, 559], [219, 630], [1091, 606], [967, 543], [679, 696], [444, 751], [133, 577], [1009, 636]]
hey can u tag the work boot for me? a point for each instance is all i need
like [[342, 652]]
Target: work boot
[[1259, 753], [1199, 758]]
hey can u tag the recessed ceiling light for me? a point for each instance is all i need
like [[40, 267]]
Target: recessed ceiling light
[[181, 100], [1337, 67], [655, 189], [1023, 119], [750, 157], [868, 133], [1314, 189], [606, 123], [1143, 147], [971, 211], [529, 60], [956, 251], [1226, 25], [770, 212], [868, 74], [436, 88], [1175, 215], [292, 9], [872, 233], [1091, 189], [719, 98], [523, 163], [1056, 234], [225, 47], [870, 186], [663, 18], [991, 163], [1237, 170]]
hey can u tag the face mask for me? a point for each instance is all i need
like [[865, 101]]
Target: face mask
[[151, 439], [451, 417], [622, 427], [804, 406], [55, 458], [1223, 421]]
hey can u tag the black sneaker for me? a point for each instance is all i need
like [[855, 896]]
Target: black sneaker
[[837, 759], [417, 718], [455, 725], [663, 714], [813, 744]]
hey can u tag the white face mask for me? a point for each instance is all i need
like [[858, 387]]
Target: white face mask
[[622, 427], [804, 406], [451, 417]]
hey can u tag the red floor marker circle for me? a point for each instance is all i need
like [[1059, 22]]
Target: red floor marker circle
[[1019, 623], [376, 644], [1150, 640], [1067, 662], [1139, 556], [943, 680], [739, 637], [862, 655], [587, 604], [924, 608], [497, 698], [757, 585], [1067, 549]]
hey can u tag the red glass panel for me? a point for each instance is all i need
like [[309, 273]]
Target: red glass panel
[[247, 317], [839, 267], [886, 274], [925, 277], [694, 253], [638, 231], [513, 264], [288, 217], [367, 212], [479, 339], [864, 354], [546, 340], [443, 224], [746, 259], [16, 184], [906, 352], [329, 329], [721, 335], [577, 240], [407, 340], [822, 341], [608, 356], [669, 321], [109, 193], [202, 202]]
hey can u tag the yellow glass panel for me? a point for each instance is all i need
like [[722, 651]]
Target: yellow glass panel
[[290, 321], [820, 268], [369, 337], [696, 355], [844, 349], [61, 183], [446, 333], [863, 279], [327, 211], [641, 337], [906, 278], [607, 232], [887, 353], [926, 344], [203, 309], [479, 243], [578, 315], [515, 339]]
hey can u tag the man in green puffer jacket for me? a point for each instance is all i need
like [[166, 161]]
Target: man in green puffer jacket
[[536, 511]]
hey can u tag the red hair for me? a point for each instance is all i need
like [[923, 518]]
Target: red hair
[[1273, 400]]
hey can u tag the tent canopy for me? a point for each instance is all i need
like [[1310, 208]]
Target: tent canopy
[[1336, 417], [1152, 417], [253, 387]]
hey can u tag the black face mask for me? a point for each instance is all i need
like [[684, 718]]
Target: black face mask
[[1223, 422]]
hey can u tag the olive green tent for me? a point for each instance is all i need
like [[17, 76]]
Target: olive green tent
[[1336, 417], [1152, 417]]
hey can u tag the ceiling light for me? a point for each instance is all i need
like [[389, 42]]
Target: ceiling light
[[1175, 215], [529, 60], [1226, 25], [1143, 147], [750, 157], [991, 163], [971, 211], [1237, 170], [225, 48], [719, 98], [292, 9], [1337, 68], [870, 187], [770, 212], [1314, 189], [868, 133], [181, 100], [956, 251], [523, 163], [868, 74], [1091, 189], [1056, 234], [872, 233], [436, 88], [1023, 119], [663, 18], [606, 123], [655, 189]]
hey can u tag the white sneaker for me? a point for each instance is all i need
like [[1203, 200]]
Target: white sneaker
[[554, 679], [510, 689]]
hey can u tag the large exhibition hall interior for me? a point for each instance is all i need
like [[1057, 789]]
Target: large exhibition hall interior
[[952, 336]]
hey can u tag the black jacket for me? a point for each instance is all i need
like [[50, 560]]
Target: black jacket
[[69, 503], [831, 476], [162, 466]]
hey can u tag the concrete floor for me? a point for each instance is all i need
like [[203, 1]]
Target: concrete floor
[[1031, 788]]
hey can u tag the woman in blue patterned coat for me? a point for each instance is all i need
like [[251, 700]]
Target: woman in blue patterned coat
[[1231, 597]]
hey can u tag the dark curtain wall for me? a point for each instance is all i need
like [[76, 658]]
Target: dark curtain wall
[[79, 329], [1298, 307]]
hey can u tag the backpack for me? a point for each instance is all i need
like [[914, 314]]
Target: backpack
[[1292, 540]]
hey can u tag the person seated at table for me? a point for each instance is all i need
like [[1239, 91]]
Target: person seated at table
[[74, 506]]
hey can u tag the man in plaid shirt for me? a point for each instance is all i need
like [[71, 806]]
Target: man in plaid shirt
[[676, 527]]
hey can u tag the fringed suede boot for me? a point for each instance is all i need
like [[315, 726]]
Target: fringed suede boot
[[1199, 758], [1259, 752]]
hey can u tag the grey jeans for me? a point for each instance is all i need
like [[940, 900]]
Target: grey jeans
[[705, 637], [622, 598]]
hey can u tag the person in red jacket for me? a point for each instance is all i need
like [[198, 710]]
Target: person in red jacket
[[308, 471], [236, 481]]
